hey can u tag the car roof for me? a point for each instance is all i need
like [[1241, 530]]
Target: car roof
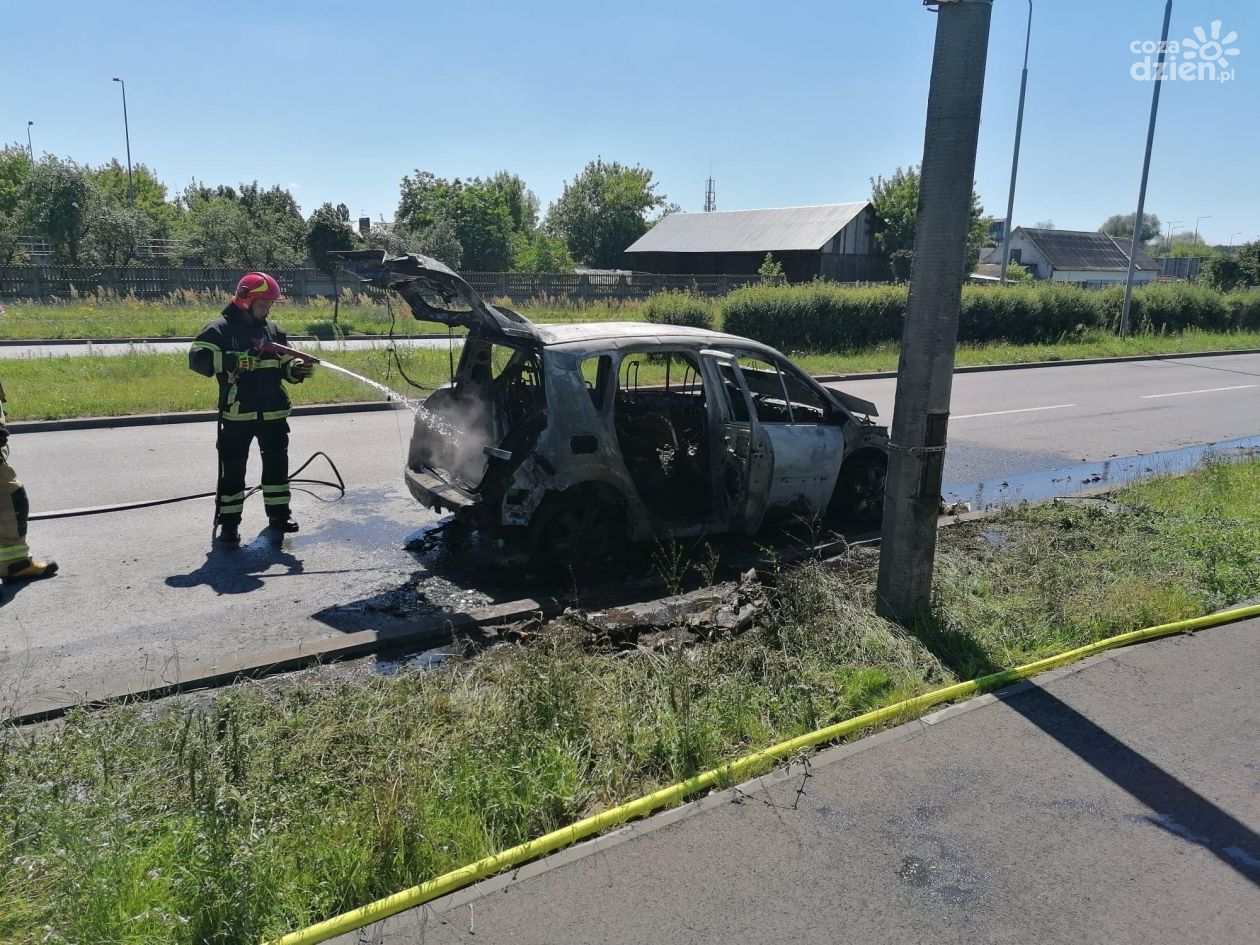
[[594, 333]]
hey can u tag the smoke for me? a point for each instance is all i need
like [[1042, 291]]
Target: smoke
[[452, 430]]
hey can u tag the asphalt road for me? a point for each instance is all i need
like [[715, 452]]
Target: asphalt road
[[143, 591], [1116, 804]]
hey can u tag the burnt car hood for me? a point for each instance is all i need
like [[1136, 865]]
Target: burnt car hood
[[435, 292]]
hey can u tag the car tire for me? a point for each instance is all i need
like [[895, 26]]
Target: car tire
[[577, 532], [858, 499]]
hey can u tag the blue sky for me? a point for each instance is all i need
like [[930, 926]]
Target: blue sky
[[794, 103]]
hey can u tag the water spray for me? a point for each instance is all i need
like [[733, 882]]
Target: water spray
[[267, 346]]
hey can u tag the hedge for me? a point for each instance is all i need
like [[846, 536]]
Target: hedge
[[679, 308], [822, 317]]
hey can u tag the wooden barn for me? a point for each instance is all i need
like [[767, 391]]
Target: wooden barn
[[835, 241]]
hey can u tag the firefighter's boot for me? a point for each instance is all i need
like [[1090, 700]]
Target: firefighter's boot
[[229, 533], [285, 524], [28, 570]]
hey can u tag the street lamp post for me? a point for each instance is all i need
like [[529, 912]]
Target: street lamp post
[[1231, 237], [30, 149], [1206, 216], [1168, 235], [131, 192], [1019, 129], [1146, 173]]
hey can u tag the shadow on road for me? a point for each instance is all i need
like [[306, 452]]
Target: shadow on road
[[1176, 808], [239, 570]]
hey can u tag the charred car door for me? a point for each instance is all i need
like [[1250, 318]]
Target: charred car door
[[744, 466]]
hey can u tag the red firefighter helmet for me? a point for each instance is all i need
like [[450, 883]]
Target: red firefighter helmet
[[254, 286]]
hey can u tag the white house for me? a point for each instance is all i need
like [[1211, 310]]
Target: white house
[[1077, 256]]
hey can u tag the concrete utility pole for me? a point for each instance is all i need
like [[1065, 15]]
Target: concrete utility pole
[[926, 372], [1146, 173], [1019, 131]]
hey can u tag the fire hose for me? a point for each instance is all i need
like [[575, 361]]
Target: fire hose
[[264, 346]]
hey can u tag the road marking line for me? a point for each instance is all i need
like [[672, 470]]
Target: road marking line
[[1209, 390], [997, 413]]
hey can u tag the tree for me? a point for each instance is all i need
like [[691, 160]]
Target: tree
[[54, 204], [771, 270], [439, 240], [116, 234], [478, 213], [1017, 273], [521, 202], [1224, 273], [1045, 225], [1248, 257], [15, 167], [209, 227], [151, 197], [1182, 244], [1120, 225], [896, 203], [251, 227], [603, 211], [327, 231], [537, 252]]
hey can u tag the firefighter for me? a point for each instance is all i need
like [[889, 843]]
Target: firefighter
[[16, 563], [252, 401]]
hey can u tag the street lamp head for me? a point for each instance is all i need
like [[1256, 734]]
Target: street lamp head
[[29, 123], [116, 79]]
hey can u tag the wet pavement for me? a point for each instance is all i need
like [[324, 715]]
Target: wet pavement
[[1116, 472]]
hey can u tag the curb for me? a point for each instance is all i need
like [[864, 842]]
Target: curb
[[180, 339], [191, 416]]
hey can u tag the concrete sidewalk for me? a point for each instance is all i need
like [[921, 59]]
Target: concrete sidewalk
[[1114, 802]]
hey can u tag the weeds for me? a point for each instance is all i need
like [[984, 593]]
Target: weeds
[[275, 805]]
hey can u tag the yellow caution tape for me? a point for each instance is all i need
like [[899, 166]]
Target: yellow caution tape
[[730, 773]]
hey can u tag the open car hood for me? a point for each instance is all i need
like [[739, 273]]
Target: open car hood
[[435, 292]]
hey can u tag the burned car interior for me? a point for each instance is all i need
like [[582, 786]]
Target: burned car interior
[[663, 432]]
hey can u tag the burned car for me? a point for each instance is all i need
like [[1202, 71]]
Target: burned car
[[576, 439]]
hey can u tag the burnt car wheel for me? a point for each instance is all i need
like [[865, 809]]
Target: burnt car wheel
[[576, 533], [858, 499]]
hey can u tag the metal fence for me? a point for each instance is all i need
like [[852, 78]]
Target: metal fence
[[59, 283]]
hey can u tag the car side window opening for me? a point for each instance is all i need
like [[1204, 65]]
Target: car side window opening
[[661, 418], [597, 374], [779, 394]]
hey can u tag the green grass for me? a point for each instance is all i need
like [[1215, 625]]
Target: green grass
[[185, 316], [272, 806], [60, 387]]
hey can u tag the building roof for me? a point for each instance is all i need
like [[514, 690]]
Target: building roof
[[1084, 250], [748, 231]]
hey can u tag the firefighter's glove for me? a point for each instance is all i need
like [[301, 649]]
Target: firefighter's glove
[[301, 370]]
